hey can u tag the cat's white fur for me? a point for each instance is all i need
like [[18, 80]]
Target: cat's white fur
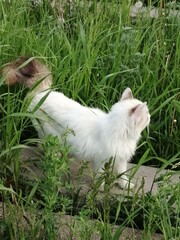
[[97, 136]]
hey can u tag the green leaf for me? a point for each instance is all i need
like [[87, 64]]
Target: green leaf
[[2, 188], [40, 102], [32, 192], [20, 146], [176, 105]]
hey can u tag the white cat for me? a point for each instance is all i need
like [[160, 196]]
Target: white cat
[[98, 136]]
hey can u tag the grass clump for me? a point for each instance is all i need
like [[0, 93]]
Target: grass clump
[[97, 52]]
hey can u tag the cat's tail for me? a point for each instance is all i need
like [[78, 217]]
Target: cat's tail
[[27, 71]]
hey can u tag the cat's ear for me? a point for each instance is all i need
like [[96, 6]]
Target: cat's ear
[[127, 94], [139, 111]]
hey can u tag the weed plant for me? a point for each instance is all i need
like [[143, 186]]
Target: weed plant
[[97, 52]]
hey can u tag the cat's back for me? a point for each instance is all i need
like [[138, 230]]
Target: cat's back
[[57, 105], [51, 100]]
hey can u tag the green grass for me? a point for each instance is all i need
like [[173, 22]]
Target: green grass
[[98, 52]]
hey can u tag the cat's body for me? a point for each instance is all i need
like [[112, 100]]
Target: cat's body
[[96, 136]]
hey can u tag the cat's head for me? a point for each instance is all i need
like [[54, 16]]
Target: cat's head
[[132, 113]]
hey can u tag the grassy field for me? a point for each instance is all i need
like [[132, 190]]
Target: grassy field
[[94, 55]]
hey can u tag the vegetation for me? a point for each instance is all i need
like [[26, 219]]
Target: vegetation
[[97, 52]]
